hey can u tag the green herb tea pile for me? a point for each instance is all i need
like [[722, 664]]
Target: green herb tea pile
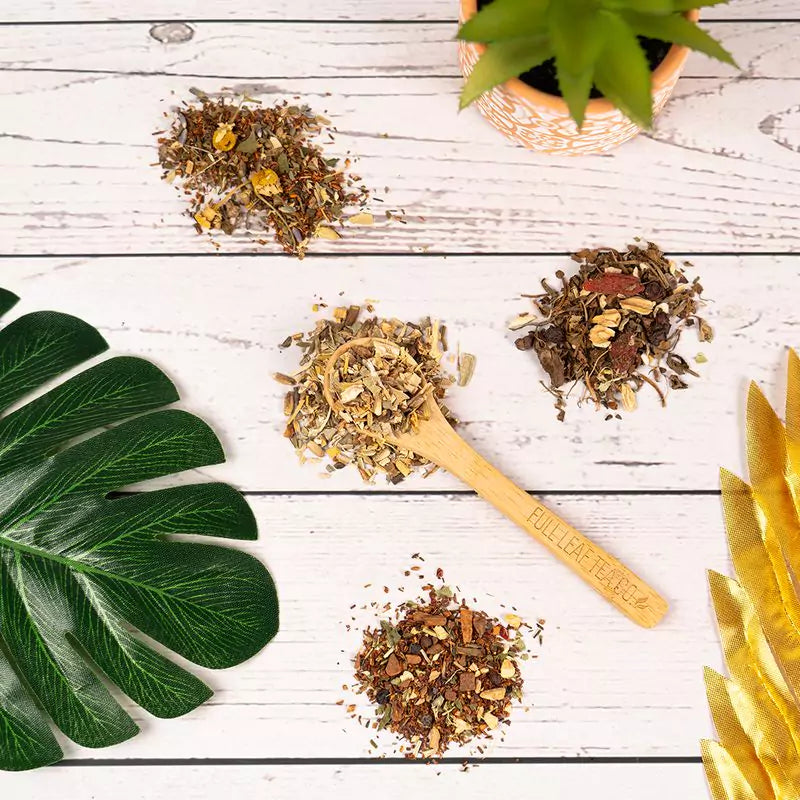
[[381, 392], [249, 168], [614, 326], [443, 673]]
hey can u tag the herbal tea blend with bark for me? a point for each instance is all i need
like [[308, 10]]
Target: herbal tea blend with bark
[[381, 389], [443, 673], [245, 167], [614, 326]]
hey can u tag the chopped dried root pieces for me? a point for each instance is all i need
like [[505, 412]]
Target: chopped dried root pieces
[[380, 392]]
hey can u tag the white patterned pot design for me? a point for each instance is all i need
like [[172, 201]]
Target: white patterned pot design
[[542, 122]]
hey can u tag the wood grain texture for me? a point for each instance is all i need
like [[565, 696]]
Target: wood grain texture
[[214, 324], [77, 150], [549, 782], [342, 10], [437, 441], [390, 49], [600, 686]]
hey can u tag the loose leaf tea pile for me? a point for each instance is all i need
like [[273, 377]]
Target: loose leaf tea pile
[[443, 673], [380, 388], [614, 326], [380, 392], [248, 168]]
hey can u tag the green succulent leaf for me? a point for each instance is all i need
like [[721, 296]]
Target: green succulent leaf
[[506, 19], [644, 6], [84, 572], [502, 61], [578, 36], [688, 5], [623, 74], [679, 30]]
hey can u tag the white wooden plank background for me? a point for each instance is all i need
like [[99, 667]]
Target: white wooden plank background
[[214, 325], [600, 687], [544, 782], [77, 150], [343, 10], [86, 226]]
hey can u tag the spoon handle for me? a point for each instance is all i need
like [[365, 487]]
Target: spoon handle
[[619, 585]]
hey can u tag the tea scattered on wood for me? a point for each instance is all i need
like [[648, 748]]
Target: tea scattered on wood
[[244, 167], [442, 673], [382, 389], [614, 326]]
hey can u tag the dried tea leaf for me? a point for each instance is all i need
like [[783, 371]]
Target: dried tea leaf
[[250, 144]]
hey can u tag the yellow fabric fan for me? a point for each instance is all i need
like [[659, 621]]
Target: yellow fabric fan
[[756, 711]]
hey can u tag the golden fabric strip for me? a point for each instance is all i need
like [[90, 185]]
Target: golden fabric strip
[[724, 778], [793, 415], [775, 599], [768, 463], [757, 712], [733, 736]]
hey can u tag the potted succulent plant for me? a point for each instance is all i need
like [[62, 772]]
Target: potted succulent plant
[[577, 76]]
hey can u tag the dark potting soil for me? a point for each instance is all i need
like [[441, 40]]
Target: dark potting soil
[[544, 76]]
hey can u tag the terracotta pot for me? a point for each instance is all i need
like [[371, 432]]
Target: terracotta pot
[[542, 122]]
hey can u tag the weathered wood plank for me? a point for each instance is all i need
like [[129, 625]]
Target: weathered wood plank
[[77, 150], [214, 324], [601, 686], [322, 49], [397, 782], [343, 10]]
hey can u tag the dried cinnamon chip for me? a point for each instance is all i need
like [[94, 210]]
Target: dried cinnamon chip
[[465, 615]]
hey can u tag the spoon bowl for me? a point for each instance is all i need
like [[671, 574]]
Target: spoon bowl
[[435, 440]]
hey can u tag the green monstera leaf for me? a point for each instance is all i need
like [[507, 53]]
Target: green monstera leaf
[[84, 571]]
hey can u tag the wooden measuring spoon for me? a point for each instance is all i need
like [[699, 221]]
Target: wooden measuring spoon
[[436, 441]]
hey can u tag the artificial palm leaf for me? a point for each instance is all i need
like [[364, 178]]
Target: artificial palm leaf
[[83, 571], [756, 712]]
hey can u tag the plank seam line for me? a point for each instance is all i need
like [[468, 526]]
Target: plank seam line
[[469, 493], [257, 21], [400, 254], [304, 762]]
